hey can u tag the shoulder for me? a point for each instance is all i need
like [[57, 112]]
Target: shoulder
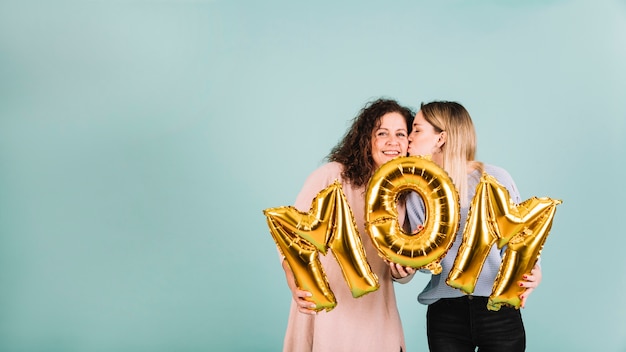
[[326, 173], [318, 180], [505, 179], [498, 172]]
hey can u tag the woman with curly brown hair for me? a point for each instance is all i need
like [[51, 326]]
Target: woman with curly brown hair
[[371, 322]]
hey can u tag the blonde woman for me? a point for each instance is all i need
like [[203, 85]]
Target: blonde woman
[[456, 321]]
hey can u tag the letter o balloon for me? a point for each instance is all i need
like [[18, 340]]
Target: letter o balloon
[[423, 249]]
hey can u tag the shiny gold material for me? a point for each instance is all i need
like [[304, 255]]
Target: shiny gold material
[[329, 224], [493, 218], [426, 248]]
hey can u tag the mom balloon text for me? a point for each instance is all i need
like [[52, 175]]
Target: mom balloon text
[[493, 219]]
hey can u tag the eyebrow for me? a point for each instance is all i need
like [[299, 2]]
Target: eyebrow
[[388, 129]]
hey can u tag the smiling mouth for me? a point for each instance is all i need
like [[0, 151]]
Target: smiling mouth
[[391, 153]]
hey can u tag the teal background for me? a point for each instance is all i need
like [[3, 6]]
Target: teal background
[[141, 140]]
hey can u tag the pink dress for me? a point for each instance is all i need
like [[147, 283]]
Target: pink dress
[[367, 323]]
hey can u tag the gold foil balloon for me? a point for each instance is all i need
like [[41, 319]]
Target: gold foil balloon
[[426, 248], [494, 219], [330, 224]]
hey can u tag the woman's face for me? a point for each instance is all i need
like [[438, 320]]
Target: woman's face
[[423, 139], [390, 139]]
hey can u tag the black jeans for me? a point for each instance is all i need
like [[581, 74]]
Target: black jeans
[[462, 324]]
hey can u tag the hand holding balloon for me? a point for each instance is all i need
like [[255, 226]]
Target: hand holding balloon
[[300, 297], [399, 272], [531, 281]]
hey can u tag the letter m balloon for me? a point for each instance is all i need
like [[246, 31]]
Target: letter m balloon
[[330, 224], [522, 228]]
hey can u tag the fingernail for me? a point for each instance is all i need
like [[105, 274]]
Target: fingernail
[[525, 277], [521, 284]]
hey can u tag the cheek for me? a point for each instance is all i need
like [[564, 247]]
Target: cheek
[[419, 150], [426, 142], [404, 146], [375, 146], [420, 146]]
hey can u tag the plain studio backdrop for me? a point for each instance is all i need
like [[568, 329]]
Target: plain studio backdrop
[[141, 140]]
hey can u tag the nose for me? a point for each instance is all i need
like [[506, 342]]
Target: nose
[[394, 140]]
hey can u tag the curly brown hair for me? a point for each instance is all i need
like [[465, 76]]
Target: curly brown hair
[[354, 151]]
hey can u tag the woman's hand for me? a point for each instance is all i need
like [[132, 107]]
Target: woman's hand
[[299, 296], [398, 271], [531, 281], [304, 306]]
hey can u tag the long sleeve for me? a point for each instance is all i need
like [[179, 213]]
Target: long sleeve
[[416, 211]]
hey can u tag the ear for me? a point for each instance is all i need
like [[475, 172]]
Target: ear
[[443, 137]]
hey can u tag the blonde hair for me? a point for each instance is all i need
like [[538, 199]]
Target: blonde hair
[[459, 149]]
